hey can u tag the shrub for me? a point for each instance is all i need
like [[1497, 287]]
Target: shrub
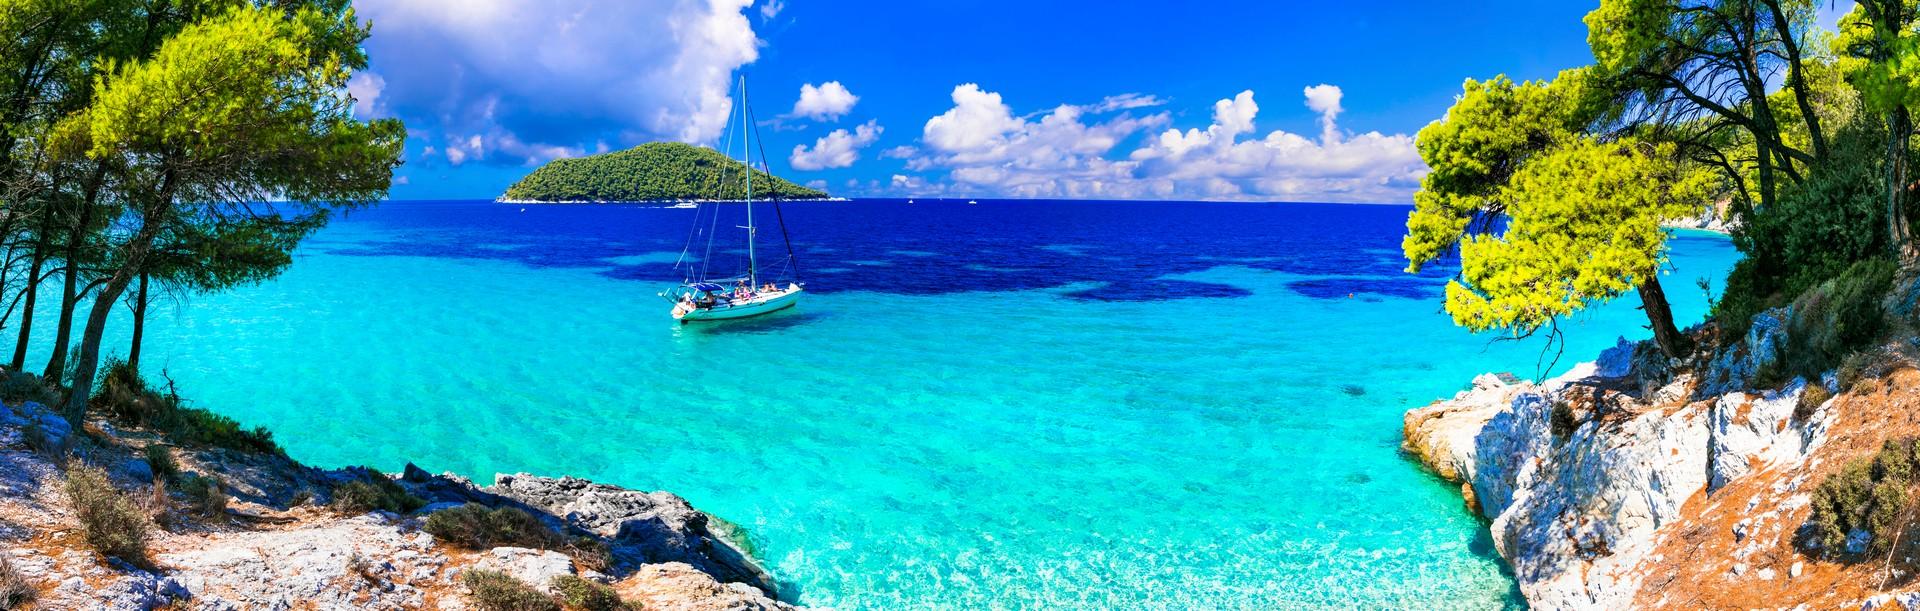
[[1869, 495], [474, 526], [1813, 231], [161, 460], [591, 554], [1561, 421], [374, 491], [1838, 317], [15, 592], [1811, 399], [577, 593], [497, 591], [124, 396], [109, 521], [18, 387], [207, 494], [1852, 370]]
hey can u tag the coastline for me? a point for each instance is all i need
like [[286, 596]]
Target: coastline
[[1635, 481], [503, 200], [270, 532]]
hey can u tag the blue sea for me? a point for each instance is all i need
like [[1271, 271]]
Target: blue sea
[[1012, 405]]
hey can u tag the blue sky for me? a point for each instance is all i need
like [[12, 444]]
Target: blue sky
[[966, 98]]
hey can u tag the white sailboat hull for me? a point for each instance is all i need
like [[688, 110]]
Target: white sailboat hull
[[760, 305]]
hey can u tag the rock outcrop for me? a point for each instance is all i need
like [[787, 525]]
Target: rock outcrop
[[276, 547], [1579, 475]]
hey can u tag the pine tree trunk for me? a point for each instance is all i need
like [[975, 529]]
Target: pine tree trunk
[[139, 323], [63, 332], [26, 314], [1653, 299], [88, 360], [1899, 124], [69, 297]]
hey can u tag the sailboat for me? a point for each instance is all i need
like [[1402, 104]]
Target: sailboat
[[755, 291]]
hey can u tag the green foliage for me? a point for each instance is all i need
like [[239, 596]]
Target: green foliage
[[1882, 62], [17, 387], [1852, 370], [1811, 399], [1869, 495], [1489, 132], [1838, 317], [206, 494], [162, 462], [1583, 226], [651, 172], [110, 522], [126, 397], [1815, 231], [374, 491], [584, 595], [497, 591], [475, 526], [15, 592]]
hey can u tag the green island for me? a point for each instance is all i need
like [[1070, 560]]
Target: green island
[[656, 171]]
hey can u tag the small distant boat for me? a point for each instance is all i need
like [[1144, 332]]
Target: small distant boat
[[909, 201], [753, 291], [971, 202]]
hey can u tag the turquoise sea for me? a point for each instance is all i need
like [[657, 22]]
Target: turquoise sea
[[1014, 405]]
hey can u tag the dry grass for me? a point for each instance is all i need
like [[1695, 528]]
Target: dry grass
[[111, 523]]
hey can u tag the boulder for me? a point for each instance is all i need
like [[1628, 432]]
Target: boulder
[[674, 586], [640, 527], [537, 567], [1735, 367], [1750, 431]]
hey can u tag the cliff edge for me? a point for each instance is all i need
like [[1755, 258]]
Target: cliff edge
[[1638, 481]]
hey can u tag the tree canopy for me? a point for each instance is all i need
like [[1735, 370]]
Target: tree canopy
[[193, 142], [657, 171], [1550, 195]]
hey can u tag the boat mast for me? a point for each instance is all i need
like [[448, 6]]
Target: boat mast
[[793, 262], [746, 154]]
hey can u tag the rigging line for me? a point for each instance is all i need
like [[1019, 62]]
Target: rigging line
[[706, 259], [719, 183], [793, 262]]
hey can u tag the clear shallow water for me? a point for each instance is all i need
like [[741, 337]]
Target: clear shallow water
[[1009, 405]]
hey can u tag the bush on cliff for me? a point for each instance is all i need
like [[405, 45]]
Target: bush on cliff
[[206, 494], [475, 526], [15, 592], [584, 595], [124, 396], [161, 461], [374, 491], [1811, 399], [18, 387], [1838, 317], [110, 522], [497, 591], [1868, 496]]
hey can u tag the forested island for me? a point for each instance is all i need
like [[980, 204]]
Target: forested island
[[656, 171]]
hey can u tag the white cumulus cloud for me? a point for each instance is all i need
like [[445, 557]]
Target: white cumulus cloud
[[1325, 99], [984, 146], [539, 77], [837, 149], [826, 102], [365, 87]]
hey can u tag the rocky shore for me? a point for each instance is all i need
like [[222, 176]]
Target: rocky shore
[[1639, 482], [274, 538]]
